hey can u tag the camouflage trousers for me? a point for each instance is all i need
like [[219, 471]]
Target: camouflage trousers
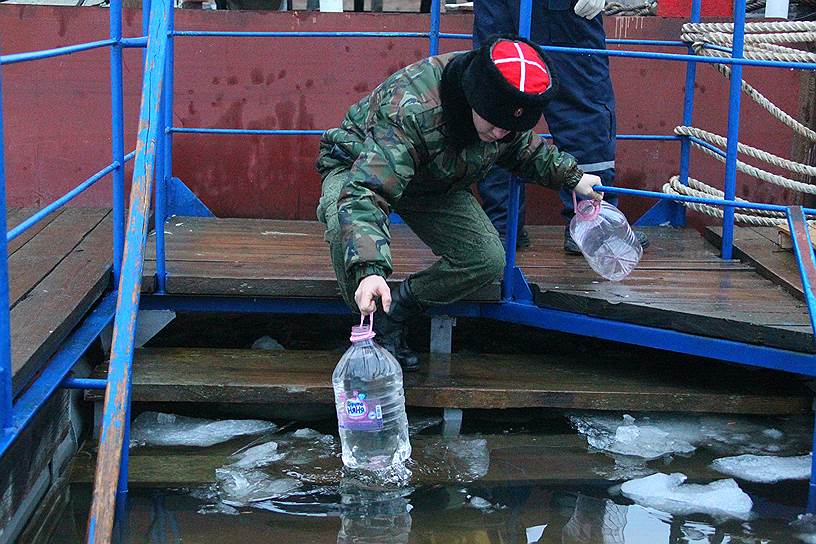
[[453, 225]]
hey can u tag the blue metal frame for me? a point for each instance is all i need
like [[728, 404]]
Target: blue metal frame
[[6, 372]]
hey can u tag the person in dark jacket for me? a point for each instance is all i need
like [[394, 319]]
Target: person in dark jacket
[[415, 145]]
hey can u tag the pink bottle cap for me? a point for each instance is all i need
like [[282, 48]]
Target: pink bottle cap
[[361, 332]]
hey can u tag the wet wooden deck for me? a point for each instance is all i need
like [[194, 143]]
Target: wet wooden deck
[[681, 283], [57, 270]]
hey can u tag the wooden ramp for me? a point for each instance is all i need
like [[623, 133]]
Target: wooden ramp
[[601, 382], [681, 283], [57, 271]]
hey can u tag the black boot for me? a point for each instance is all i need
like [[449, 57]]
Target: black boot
[[390, 327]]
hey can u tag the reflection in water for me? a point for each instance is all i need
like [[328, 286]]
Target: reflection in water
[[373, 516]]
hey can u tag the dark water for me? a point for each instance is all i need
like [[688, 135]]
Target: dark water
[[465, 489]]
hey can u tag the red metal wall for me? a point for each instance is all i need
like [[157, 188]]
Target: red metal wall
[[57, 111]]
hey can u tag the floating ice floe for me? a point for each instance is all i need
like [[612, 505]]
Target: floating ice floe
[[479, 503], [257, 456], [159, 429], [805, 528], [651, 437], [239, 487], [669, 493], [267, 342], [764, 468]]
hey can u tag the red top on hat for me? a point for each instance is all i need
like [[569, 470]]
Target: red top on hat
[[521, 66]]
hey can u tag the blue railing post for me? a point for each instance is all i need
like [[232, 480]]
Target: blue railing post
[[117, 137], [734, 94], [109, 466], [679, 215], [525, 18], [435, 16], [6, 371], [166, 157]]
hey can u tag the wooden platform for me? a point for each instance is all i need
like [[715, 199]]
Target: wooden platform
[[680, 284], [57, 270], [600, 382]]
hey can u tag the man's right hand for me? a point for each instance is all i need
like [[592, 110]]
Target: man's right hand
[[370, 289]]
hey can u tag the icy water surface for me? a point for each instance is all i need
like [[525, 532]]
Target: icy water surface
[[579, 479]]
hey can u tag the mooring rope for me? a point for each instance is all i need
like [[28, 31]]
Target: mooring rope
[[762, 41]]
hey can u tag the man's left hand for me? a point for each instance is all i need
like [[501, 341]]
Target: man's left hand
[[589, 8]]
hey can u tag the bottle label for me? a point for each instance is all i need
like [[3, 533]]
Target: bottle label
[[359, 412]]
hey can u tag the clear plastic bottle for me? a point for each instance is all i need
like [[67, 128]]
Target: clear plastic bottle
[[370, 404], [605, 238]]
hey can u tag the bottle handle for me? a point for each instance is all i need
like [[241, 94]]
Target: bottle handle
[[582, 210], [361, 332]]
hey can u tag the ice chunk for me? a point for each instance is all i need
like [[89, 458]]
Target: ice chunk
[[669, 493], [764, 468], [805, 527], [257, 456], [480, 503], [267, 342], [159, 429], [240, 487], [646, 441], [774, 434]]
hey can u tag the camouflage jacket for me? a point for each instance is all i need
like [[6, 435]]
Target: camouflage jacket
[[397, 142]]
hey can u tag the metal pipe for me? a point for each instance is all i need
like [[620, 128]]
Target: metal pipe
[[117, 394], [128, 43], [434, 34], [32, 399], [270, 34], [511, 237], [710, 147], [117, 137], [525, 18], [6, 370], [167, 158], [734, 96], [56, 52], [25, 225], [700, 200], [613, 41], [84, 383], [803, 249], [679, 215]]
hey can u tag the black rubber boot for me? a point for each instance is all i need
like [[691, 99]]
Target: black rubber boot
[[390, 327]]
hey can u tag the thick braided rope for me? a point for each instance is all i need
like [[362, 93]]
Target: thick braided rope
[[674, 187], [721, 142], [778, 26], [721, 38]]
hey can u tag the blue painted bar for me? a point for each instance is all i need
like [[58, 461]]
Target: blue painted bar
[[511, 238], [60, 364], [117, 137], [699, 200], [525, 18], [6, 370], [56, 52], [803, 249], [811, 504], [25, 225], [665, 339], [118, 392], [734, 96], [679, 217], [703, 143], [238, 34], [434, 34], [614, 41], [84, 383], [167, 159], [133, 42]]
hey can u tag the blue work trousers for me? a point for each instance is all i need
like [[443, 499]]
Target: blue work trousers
[[580, 117]]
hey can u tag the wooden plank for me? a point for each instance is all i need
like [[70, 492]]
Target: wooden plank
[[30, 454], [43, 253], [543, 459], [55, 306], [606, 382], [48, 517], [758, 247], [18, 215]]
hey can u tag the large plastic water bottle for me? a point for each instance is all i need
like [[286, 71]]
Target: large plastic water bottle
[[605, 238], [370, 404]]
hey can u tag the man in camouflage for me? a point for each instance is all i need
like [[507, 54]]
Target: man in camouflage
[[415, 145]]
